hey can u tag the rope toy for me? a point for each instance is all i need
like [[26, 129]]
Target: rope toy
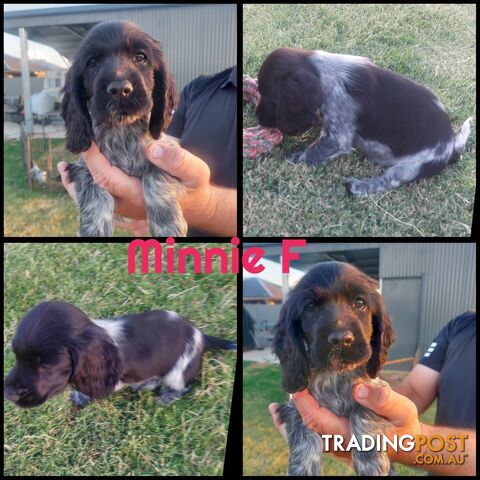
[[257, 140]]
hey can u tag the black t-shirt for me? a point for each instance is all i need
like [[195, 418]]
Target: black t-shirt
[[206, 124], [453, 355]]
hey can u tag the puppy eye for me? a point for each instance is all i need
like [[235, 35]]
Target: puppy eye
[[359, 303], [309, 308], [140, 57], [91, 63]]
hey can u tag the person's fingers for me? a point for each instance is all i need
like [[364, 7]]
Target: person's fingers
[[127, 190], [386, 402], [104, 174], [316, 418], [273, 409], [305, 403], [62, 168], [96, 162], [178, 162], [138, 228]]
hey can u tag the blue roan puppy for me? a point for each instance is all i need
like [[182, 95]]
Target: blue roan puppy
[[394, 121], [56, 344]]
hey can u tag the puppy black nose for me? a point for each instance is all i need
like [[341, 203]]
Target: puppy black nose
[[120, 89], [341, 339]]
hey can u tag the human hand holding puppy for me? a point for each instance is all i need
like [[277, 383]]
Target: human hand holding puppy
[[400, 412], [199, 203], [397, 409]]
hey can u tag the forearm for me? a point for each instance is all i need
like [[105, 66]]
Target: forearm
[[219, 216]]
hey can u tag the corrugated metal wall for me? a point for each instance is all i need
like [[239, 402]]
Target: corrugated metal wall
[[448, 280], [197, 39]]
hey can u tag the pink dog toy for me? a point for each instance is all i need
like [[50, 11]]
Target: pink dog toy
[[257, 140]]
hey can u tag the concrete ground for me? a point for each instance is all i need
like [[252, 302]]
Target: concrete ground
[[263, 356]]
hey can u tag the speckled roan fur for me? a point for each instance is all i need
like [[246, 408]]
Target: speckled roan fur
[[334, 392], [391, 119]]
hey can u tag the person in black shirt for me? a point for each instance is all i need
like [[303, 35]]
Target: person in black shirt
[[447, 372], [205, 122]]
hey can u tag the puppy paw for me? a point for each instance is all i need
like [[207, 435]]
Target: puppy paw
[[148, 385], [358, 188], [169, 395], [297, 157], [79, 399], [166, 398]]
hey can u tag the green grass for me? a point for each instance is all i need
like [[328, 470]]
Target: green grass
[[435, 46], [37, 212]]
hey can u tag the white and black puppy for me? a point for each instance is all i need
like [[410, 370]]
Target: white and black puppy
[[394, 121], [56, 344]]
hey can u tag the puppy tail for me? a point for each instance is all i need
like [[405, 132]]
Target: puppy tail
[[461, 138], [214, 343]]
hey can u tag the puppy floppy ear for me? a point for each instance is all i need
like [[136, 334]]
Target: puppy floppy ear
[[383, 337], [96, 363], [164, 100], [75, 113], [298, 97], [289, 347]]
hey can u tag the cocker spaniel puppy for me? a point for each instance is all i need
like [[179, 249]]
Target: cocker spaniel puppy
[[56, 344], [333, 332], [119, 93], [391, 119]]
